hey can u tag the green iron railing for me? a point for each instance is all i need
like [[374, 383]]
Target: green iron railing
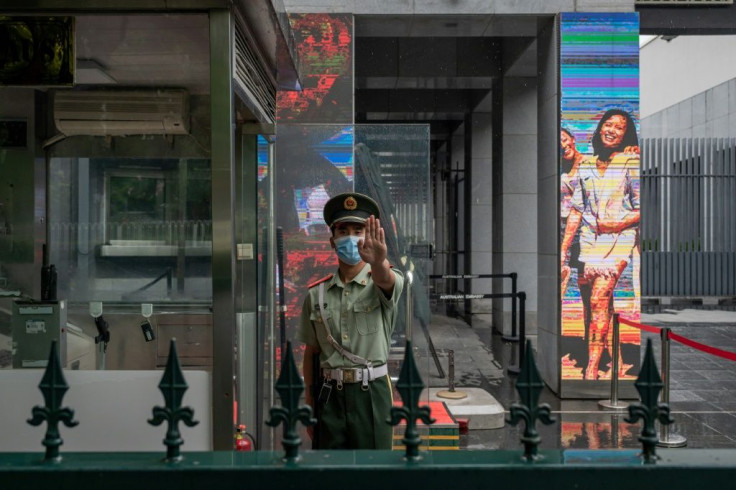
[[173, 386], [53, 386], [599, 469]]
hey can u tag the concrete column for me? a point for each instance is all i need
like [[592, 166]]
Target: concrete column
[[458, 241], [481, 205], [515, 250], [548, 330], [444, 210]]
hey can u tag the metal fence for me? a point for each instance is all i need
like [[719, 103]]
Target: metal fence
[[688, 225], [632, 469]]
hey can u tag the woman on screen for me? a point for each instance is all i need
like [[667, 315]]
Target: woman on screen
[[605, 208]]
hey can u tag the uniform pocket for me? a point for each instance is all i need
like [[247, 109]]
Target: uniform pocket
[[320, 327], [316, 317], [367, 316]]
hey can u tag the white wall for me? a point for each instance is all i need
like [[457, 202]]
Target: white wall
[[672, 71], [112, 408], [519, 199], [709, 114]]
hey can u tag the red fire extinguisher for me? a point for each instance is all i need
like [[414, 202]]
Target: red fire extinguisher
[[242, 439]]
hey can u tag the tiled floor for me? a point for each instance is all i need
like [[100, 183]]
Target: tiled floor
[[702, 396]]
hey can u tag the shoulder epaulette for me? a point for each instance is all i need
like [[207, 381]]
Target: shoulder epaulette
[[318, 281]]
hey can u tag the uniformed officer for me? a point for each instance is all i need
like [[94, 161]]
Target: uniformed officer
[[347, 318]]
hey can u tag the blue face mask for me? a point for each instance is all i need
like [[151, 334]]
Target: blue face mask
[[347, 249]]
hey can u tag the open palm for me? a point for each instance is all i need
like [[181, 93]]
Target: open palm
[[373, 248]]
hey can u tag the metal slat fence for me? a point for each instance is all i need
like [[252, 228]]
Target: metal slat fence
[[688, 224]]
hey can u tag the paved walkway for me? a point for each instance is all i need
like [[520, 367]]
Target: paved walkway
[[703, 387]]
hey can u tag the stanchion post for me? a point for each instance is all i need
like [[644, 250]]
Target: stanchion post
[[451, 393], [451, 369], [513, 337], [515, 369], [613, 403], [666, 437]]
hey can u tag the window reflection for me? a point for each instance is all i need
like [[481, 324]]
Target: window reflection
[[131, 229]]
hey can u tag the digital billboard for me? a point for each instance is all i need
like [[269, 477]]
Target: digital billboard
[[599, 192], [325, 47]]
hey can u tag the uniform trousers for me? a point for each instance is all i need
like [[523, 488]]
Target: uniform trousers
[[353, 418]]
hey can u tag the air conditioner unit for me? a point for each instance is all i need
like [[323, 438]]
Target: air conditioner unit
[[109, 112]]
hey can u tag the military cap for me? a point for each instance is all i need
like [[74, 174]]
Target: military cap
[[349, 207]]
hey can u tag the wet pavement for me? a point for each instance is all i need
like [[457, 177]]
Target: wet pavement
[[702, 388]]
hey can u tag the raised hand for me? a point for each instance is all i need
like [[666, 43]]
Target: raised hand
[[373, 248]]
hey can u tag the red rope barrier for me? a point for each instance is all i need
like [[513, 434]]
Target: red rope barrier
[[640, 326], [731, 356]]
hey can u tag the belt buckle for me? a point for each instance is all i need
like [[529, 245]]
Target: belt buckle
[[348, 376]]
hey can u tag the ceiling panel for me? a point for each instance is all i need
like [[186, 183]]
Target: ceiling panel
[[447, 25], [168, 50]]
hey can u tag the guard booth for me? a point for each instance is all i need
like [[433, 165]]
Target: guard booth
[[129, 162]]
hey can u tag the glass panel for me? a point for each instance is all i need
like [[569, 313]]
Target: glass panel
[[129, 185], [266, 292], [16, 237], [131, 230], [392, 165], [313, 162], [389, 163]]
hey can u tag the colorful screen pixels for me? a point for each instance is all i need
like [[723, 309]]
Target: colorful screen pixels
[[599, 192], [325, 47], [313, 162], [262, 157]]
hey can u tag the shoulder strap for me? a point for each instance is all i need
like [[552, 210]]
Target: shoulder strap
[[319, 281], [344, 352]]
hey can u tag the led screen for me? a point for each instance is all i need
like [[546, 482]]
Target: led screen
[[325, 47], [599, 192]]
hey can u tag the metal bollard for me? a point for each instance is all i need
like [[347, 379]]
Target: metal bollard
[[613, 403], [667, 438], [451, 393], [451, 369]]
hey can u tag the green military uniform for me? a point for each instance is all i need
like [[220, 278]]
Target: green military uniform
[[364, 319], [361, 318]]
